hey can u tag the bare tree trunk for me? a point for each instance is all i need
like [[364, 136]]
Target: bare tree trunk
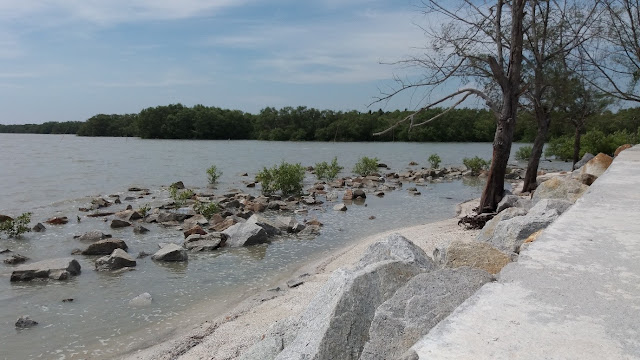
[[530, 182], [576, 147]]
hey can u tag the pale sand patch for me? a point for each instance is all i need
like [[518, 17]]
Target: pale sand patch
[[228, 336]]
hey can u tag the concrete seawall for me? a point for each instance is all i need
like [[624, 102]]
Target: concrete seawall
[[573, 294]]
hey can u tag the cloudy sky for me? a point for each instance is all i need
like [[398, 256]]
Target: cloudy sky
[[63, 60]]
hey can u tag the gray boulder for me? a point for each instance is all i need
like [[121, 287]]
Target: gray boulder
[[245, 234], [141, 300], [288, 224], [277, 337], [171, 252], [545, 205], [585, 159], [57, 269], [208, 242], [563, 188], [510, 201], [117, 260], [39, 228], [93, 236], [510, 234], [474, 254], [417, 307], [117, 223], [269, 226], [396, 247], [489, 228], [104, 247], [139, 229], [340, 207]]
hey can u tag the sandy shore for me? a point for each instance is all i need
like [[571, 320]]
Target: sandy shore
[[228, 336]]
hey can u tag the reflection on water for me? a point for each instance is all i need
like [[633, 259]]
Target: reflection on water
[[58, 176]]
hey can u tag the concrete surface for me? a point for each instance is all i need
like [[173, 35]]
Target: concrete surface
[[573, 294]]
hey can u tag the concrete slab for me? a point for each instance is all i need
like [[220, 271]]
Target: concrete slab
[[573, 294]]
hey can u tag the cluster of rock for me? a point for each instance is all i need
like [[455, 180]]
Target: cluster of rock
[[376, 310]]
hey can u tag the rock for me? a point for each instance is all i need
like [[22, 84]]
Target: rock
[[245, 234], [359, 193], [195, 230], [559, 188], [348, 195], [513, 201], [294, 283], [413, 163], [57, 220], [39, 228], [178, 185], [196, 220], [141, 300], [288, 224], [142, 255], [269, 226], [597, 166], [100, 203], [489, 228], [117, 260], [417, 307], [533, 237], [379, 193], [93, 236], [279, 335], [15, 259], [587, 179], [310, 230], [396, 247], [208, 242], [335, 325], [57, 269], [117, 224], [621, 148], [4, 218], [139, 229], [510, 234], [478, 255], [315, 222], [67, 300], [25, 321], [171, 252], [308, 200], [100, 214], [340, 207], [133, 188], [4, 251], [227, 223], [585, 159], [104, 247], [545, 205]]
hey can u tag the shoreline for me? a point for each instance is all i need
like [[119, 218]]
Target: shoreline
[[229, 334]]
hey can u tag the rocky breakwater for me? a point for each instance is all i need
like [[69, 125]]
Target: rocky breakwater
[[375, 310]]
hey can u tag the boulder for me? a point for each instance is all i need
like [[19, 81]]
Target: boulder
[[57, 220], [310, 230], [585, 159], [139, 229], [225, 224], [475, 254], [141, 300], [336, 323], [208, 242], [171, 252], [269, 226], [178, 185], [597, 166], [587, 179], [513, 201], [288, 224], [93, 236], [280, 334], [621, 148], [348, 195], [417, 307], [196, 220], [104, 247], [117, 260], [510, 234], [24, 322], [559, 188], [4, 218], [489, 228], [57, 269], [194, 230], [39, 228], [340, 207], [245, 234], [545, 205], [98, 203], [15, 259], [359, 193], [117, 224]]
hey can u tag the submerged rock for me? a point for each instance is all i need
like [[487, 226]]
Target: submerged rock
[[57, 269], [141, 300], [104, 247], [25, 322], [117, 260], [93, 236], [171, 252], [39, 228], [117, 224], [208, 242], [15, 259], [340, 207]]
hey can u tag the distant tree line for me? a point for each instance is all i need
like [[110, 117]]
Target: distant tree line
[[177, 121]]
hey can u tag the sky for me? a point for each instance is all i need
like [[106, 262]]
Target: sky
[[67, 60]]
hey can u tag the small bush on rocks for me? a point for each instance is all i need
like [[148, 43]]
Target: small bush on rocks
[[286, 178], [206, 209], [213, 174], [435, 161], [18, 226], [475, 164], [366, 166], [180, 197], [326, 171], [524, 153]]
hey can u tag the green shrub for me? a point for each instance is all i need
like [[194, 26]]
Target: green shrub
[[180, 197], [326, 171], [18, 226], [366, 166], [594, 142], [435, 161], [206, 209], [213, 174], [524, 153], [144, 210], [560, 147], [475, 164], [286, 178]]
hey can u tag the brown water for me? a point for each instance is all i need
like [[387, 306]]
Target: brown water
[[53, 175]]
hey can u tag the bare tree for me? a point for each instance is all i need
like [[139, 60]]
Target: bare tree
[[614, 54], [480, 41], [554, 29]]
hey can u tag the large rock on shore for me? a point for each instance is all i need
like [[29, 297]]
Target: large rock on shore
[[475, 254], [597, 166], [104, 247], [269, 226], [171, 252], [621, 148], [57, 269], [335, 324], [116, 260], [489, 229], [417, 307], [289, 224], [245, 234], [558, 187], [585, 159]]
